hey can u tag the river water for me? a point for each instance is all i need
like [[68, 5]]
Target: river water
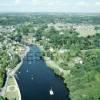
[[35, 79]]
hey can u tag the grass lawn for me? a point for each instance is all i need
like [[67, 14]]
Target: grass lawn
[[11, 91]]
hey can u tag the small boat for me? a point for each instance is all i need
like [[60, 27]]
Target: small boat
[[19, 72], [51, 92], [27, 71], [30, 62], [32, 78]]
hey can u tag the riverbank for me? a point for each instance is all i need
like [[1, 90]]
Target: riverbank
[[11, 73], [55, 67], [12, 88], [58, 71]]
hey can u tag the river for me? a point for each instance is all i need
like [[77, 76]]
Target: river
[[35, 79]]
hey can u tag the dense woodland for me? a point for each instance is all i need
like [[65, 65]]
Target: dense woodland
[[44, 18]]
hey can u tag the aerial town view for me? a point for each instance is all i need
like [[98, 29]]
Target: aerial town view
[[50, 50]]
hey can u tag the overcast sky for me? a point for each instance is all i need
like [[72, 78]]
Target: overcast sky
[[49, 5]]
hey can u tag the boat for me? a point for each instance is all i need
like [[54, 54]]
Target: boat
[[51, 92], [27, 71], [30, 62], [19, 72], [32, 78]]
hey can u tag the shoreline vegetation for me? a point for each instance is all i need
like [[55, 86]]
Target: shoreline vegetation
[[11, 80], [55, 67], [79, 68], [64, 73]]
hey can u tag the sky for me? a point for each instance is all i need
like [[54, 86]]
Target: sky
[[50, 6]]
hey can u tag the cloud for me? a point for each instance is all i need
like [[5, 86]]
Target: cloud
[[81, 3], [49, 3], [86, 5], [6, 5], [18, 2], [97, 3], [52, 5]]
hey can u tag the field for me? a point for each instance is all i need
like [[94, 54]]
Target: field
[[12, 90]]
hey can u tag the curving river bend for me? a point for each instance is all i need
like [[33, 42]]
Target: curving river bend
[[35, 79]]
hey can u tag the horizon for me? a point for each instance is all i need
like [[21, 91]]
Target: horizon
[[49, 12]]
